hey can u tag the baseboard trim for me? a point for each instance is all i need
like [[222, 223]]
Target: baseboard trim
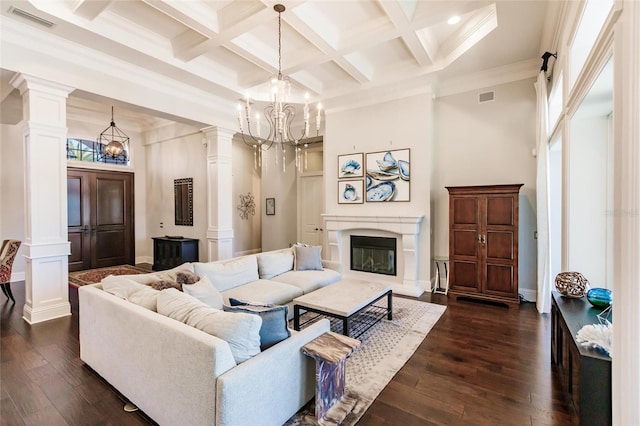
[[144, 259], [529, 295], [17, 276]]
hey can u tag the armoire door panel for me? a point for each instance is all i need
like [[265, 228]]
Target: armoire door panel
[[465, 242], [500, 245], [500, 211], [499, 279], [465, 211], [464, 275]]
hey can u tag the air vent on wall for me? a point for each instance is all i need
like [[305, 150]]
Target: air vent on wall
[[33, 18], [486, 97]]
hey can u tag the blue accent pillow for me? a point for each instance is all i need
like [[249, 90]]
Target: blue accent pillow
[[274, 320]]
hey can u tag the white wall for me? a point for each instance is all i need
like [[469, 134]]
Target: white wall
[[247, 233], [587, 248], [280, 230], [180, 156], [12, 208], [399, 124], [487, 144]]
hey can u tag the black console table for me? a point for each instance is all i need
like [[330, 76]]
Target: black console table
[[585, 373], [171, 252]]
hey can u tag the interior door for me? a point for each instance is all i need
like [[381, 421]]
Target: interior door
[[112, 220], [100, 218], [79, 219], [311, 197]]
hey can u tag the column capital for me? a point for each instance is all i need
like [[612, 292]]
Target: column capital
[[25, 82], [217, 132]]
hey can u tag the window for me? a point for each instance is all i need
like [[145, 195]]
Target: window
[[92, 151]]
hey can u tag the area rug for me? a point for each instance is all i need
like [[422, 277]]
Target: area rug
[[91, 276], [385, 348]]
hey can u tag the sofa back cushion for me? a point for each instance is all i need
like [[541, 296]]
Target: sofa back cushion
[[205, 292], [241, 331], [271, 264], [168, 275], [132, 291], [228, 274]]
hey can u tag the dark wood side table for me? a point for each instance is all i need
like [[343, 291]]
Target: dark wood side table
[[585, 374], [171, 252], [330, 350]]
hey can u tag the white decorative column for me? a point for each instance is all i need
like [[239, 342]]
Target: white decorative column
[[219, 194], [626, 256], [46, 246]]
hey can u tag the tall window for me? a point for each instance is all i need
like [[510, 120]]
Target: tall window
[[92, 151]]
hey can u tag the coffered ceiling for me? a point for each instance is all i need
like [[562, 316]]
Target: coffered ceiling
[[341, 52]]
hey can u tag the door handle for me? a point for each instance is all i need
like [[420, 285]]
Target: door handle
[[482, 239], [316, 229], [85, 229]]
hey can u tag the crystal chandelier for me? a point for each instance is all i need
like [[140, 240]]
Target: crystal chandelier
[[115, 143], [279, 114]]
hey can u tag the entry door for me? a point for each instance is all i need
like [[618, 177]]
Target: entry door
[[100, 218], [311, 199]]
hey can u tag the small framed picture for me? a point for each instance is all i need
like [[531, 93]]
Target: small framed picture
[[350, 165], [350, 192], [270, 206]]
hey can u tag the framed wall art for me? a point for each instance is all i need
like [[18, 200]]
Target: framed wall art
[[270, 206], [351, 191], [388, 176], [350, 166]]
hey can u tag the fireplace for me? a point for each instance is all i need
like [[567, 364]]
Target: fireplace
[[373, 254], [405, 230]]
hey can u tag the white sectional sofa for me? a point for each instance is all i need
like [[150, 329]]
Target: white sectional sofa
[[180, 375]]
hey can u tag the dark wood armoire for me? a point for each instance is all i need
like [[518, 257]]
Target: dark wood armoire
[[483, 242]]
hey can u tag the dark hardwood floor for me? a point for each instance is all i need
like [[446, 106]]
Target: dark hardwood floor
[[480, 365]]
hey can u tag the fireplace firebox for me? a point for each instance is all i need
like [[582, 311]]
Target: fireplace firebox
[[373, 254]]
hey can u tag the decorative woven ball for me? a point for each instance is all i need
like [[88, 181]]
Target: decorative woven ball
[[572, 284]]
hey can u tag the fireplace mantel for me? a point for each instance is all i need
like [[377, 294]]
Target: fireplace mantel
[[405, 228]]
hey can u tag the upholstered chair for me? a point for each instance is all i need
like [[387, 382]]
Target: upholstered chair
[[7, 255]]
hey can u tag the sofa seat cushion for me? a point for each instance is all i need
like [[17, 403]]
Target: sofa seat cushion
[[266, 292], [308, 281], [227, 274], [240, 330]]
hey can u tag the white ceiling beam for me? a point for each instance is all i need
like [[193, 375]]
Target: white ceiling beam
[[90, 9], [398, 17]]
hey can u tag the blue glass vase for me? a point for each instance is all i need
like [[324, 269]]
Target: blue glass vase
[[599, 297]]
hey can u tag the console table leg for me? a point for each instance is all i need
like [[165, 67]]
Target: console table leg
[[390, 306], [330, 380]]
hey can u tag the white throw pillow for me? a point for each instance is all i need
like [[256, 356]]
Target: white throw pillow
[[273, 264], [225, 275], [132, 291], [308, 258], [205, 292], [241, 331]]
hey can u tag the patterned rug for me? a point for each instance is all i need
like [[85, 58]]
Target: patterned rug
[[91, 276], [385, 348]]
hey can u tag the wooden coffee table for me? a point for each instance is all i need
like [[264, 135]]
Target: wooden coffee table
[[348, 301]]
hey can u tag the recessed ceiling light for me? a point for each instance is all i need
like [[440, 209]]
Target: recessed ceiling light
[[453, 20]]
